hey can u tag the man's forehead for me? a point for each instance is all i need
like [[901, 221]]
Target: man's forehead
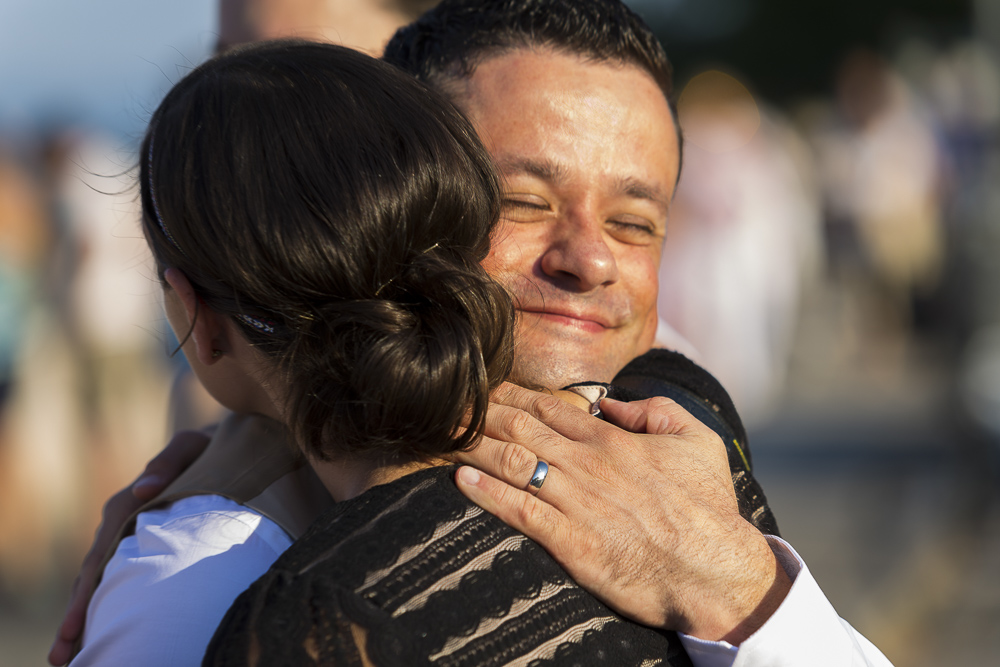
[[532, 75], [542, 113], [502, 83]]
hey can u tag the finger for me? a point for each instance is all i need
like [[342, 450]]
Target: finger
[[520, 510], [67, 634], [180, 452], [628, 416], [504, 460], [657, 415], [558, 415], [513, 425], [660, 416], [513, 465]]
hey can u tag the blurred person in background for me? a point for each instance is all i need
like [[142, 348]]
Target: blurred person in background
[[25, 235], [88, 383], [962, 86], [108, 298], [29, 515], [743, 243], [365, 26], [882, 170]]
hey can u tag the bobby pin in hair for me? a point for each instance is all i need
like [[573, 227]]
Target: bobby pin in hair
[[389, 281]]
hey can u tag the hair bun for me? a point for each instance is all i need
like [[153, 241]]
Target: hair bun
[[438, 329]]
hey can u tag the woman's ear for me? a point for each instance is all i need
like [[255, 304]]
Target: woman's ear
[[198, 325]]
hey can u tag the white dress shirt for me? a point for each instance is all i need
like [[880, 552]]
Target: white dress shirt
[[168, 586], [805, 630]]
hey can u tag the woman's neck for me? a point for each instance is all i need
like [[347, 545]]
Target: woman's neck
[[347, 478]]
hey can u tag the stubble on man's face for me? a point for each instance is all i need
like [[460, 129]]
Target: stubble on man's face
[[590, 157]]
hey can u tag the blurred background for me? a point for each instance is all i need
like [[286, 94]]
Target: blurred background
[[831, 257]]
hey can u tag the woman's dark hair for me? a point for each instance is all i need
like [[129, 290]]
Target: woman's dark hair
[[338, 211]]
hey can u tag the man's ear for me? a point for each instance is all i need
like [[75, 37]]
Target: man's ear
[[205, 329]]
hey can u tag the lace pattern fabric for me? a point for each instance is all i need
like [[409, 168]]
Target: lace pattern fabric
[[412, 573]]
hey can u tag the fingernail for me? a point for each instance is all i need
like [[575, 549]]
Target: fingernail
[[608, 399], [146, 481], [469, 476]]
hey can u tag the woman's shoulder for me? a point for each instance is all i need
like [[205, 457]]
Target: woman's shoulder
[[168, 584], [191, 526]]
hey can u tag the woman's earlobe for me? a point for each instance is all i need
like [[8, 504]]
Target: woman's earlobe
[[208, 333]]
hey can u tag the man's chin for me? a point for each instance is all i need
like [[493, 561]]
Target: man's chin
[[539, 368]]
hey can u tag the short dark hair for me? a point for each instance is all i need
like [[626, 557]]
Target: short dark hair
[[451, 39], [338, 211]]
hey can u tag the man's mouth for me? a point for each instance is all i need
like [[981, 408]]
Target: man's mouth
[[588, 322]]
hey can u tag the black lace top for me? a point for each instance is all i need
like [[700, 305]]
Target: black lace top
[[412, 573]]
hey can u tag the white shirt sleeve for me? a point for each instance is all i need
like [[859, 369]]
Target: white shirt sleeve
[[168, 586], [805, 630]]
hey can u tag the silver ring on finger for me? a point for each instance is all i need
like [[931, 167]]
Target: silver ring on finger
[[537, 478]]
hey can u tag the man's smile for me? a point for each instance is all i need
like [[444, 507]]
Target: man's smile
[[587, 322]]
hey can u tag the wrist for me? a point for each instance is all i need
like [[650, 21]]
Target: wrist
[[769, 602], [744, 602]]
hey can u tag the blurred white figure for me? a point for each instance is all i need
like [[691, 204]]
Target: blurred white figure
[[891, 176], [113, 306], [742, 239], [882, 169]]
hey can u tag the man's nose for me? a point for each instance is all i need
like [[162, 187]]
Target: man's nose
[[578, 257]]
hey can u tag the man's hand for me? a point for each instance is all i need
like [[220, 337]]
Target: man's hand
[[643, 516], [182, 450]]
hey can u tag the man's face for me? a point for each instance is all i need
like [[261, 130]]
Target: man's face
[[590, 157]]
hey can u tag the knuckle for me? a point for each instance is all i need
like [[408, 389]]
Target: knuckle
[[529, 513], [518, 463], [521, 425], [545, 407], [661, 404]]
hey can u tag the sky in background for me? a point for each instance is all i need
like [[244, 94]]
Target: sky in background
[[99, 62], [108, 62]]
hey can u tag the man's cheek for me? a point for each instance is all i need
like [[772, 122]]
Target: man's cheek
[[509, 250], [643, 287]]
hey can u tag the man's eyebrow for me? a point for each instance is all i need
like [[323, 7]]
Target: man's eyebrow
[[545, 170], [637, 189]]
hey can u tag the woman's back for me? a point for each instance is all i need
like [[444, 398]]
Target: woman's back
[[411, 573]]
